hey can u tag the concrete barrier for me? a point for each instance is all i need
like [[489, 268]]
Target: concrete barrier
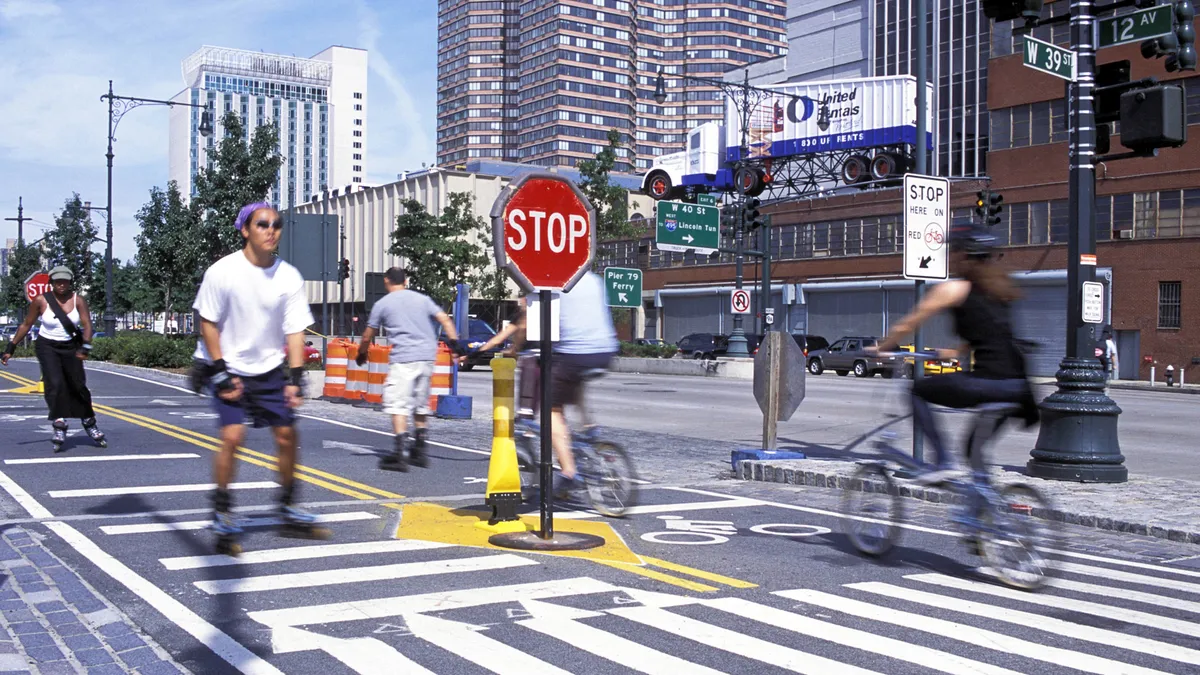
[[741, 369], [314, 383]]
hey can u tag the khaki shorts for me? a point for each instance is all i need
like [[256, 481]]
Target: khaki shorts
[[407, 388]]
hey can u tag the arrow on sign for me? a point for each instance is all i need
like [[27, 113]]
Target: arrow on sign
[[925, 262], [689, 238], [622, 297]]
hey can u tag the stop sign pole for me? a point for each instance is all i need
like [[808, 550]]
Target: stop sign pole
[[544, 236]]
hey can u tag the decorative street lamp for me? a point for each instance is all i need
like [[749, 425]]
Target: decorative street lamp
[[117, 107]]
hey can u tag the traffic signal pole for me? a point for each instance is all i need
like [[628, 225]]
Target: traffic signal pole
[[1078, 436], [921, 166]]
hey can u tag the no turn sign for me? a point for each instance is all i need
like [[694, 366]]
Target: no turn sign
[[739, 301], [926, 227]]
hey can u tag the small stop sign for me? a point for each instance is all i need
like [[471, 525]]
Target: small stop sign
[[544, 232], [37, 284]]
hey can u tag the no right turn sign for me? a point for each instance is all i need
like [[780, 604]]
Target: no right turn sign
[[926, 227]]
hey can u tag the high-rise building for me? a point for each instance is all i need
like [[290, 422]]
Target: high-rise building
[[9, 247], [543, 81], [318, 105]]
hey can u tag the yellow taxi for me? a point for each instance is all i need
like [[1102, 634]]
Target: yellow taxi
[[932, 367]]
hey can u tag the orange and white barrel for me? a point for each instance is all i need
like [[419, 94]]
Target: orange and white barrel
[[356, 381], [336, 355], [377, 370], [439, 384]]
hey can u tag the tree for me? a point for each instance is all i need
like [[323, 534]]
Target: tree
[[440, 252], [70, 244], [610, 201], [170, 250], [241, 173], [23, 260]]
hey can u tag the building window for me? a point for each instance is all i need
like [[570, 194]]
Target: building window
[[1168, 304], [358, 95], [357, 133], [357, 156], [358, 123], [358, 106], [357, 145], [358, 167]]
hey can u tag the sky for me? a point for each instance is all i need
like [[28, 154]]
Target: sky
[[57, 56]]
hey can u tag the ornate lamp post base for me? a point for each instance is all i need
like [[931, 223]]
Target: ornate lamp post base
[[1078, 437]]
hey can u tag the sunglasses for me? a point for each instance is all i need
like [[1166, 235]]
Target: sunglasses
[[269, 224]]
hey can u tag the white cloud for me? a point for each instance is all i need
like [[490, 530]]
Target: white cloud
[[13, 10]]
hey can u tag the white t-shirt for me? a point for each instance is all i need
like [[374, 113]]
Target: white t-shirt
[[255, 309]]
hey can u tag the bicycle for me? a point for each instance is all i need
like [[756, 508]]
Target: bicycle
[[603, 468], [998, 524]]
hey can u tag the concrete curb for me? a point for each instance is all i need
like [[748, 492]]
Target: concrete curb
[[734, 370], [792, 473]]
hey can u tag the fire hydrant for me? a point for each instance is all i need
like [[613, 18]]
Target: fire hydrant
[[1170, 376]]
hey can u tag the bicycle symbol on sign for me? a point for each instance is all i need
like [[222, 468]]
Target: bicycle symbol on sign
[[934, 236], [686, 532]]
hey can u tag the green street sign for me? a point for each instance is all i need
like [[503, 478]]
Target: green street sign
[[623, 286], [1135, 26], [688, 227], [1050, 59], [706, 200]]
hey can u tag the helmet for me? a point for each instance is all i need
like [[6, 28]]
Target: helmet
[[972, 239]]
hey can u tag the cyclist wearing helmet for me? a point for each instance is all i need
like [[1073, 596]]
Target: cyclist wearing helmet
[[980, 303]]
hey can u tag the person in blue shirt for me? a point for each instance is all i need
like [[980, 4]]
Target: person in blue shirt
[[587, 341]]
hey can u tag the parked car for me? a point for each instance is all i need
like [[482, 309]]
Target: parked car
[[478, 332], [931, 367], [810, 343], [702, 345], [849, 355], [311, 353], [647, 341]]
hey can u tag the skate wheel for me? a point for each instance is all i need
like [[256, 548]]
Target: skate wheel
[[103, 444]]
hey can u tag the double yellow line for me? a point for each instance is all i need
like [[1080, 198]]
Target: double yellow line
[[329, 481]]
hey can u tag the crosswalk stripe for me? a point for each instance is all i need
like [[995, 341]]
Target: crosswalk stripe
[[353, 575], [1082, 606], [969, 634], [185, 525], [1116, 593], [382, 608], [1126, 563], [1130, 577], [664, 508], [157, 489], [559, 623], [100, 458], [736, 643], [273, 555], [464, 641], [858, 639]]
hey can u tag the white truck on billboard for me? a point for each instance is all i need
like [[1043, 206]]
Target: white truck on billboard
[[873, 121]]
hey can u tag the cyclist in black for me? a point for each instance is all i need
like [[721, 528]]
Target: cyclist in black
[[980, 304]]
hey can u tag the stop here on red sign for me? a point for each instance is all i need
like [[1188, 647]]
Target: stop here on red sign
[[547, 233]]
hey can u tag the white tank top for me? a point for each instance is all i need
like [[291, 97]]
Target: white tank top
[[52, 329]]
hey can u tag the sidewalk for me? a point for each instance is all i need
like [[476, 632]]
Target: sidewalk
[[54, 623], [1157, 507], [1137, 385]]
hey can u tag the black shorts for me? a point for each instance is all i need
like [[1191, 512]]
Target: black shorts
[[566, 377], [262, 401]]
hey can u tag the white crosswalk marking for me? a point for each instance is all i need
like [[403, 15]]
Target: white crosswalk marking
[[355, 575], [1115, 593], [1096, 609], [1127, 577], [157, 489], [267, 521], [969, 634], [365, 656], [1124, 563], [737, 643], [561, 623], [100, 458], [858, 639], [313, 552], [464, 641]]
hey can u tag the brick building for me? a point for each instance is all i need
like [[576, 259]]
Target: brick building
[[837, 267]]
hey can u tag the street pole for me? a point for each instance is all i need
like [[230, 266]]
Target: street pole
[[341, 281], [921, 161], [737, 339], [765, 248], [1078, 436], [326, 324], [110, 321]]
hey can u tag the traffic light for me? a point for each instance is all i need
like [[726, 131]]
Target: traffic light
[[751, 214], [343, 269], [988, 206], [728, 220], [1007, 10], [1179, 46]]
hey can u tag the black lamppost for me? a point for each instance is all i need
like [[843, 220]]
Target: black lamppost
[[117, 107]]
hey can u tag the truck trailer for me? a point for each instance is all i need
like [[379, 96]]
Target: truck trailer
[[857, 130]]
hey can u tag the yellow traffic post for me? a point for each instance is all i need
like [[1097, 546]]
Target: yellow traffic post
[[504, 477]]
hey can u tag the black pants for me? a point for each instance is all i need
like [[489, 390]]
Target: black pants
[[964, 390], [65, 381]]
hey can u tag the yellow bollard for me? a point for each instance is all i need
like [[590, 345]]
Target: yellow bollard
[[504, 476]]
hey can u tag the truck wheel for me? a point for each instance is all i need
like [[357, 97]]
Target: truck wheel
[[750, 181], [659, 186], [814, 367], [860, 369], [842, 373]]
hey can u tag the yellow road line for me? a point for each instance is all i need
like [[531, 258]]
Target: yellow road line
[[659, 576], [701, 574], [16, 378]]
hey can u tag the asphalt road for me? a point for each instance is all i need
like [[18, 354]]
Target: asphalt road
[[708, 575]]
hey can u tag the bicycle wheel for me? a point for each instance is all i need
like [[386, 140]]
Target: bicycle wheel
[[873, 509], [1014, 543], [527, 463], [609, 476]]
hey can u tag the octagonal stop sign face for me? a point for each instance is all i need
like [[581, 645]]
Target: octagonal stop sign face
[[37, 284], [544, 232]]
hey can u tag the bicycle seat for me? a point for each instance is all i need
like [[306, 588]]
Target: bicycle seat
[[593, 374]]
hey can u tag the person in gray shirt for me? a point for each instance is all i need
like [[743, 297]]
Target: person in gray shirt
[[409, 321]]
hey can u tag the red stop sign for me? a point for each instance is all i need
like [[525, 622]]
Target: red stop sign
[[37, 284], [544, 232]]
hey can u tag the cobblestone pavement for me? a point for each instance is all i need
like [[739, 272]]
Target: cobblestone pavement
[[54, 623]]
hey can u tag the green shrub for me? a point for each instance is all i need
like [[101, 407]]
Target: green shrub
[[648, 351], [147, 350]]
